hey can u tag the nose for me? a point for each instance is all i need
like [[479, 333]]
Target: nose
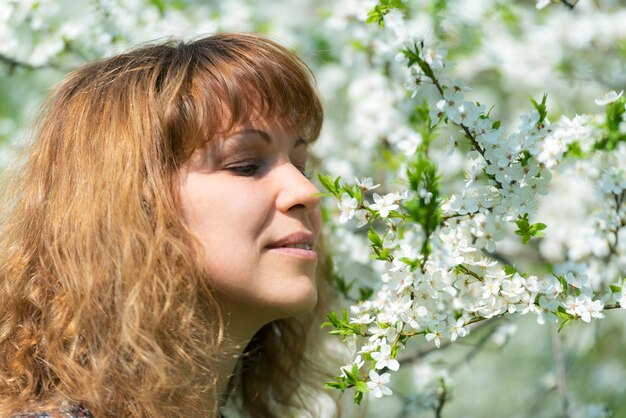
[[296, 191]]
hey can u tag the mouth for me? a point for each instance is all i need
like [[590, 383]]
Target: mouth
[[303, 246], [300, 244]]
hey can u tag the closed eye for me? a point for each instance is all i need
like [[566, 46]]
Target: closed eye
[[247, 170]]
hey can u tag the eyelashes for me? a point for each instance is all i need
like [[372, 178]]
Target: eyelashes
[[252, 169], [245, 170]]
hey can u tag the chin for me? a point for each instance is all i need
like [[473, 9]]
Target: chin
[[300, 302]]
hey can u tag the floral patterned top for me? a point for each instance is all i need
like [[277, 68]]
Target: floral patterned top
[[71, 411]]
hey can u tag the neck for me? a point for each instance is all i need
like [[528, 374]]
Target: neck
[[238, 331]]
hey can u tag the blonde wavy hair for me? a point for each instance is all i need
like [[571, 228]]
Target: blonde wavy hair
[[102, 300]]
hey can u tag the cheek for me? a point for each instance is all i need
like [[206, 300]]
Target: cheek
[[228, 222], [216, 203]]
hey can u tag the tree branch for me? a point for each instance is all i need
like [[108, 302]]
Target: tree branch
[[413, 356], [12, 63], [570, 4]]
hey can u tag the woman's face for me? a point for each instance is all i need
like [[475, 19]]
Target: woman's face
[[246, 198]]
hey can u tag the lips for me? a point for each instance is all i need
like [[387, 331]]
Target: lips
[[299, 244], [302, 239]]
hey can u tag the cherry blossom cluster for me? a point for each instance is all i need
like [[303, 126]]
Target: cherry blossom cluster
[[437, 255]]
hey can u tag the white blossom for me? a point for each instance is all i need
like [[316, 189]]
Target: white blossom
[[384, 204], [457, 328], [542, 3], [383, 358], [347, 205], [609, 97], [366, 183], [377, 384], [348, 368]]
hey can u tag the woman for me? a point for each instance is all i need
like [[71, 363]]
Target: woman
[[159, 234]]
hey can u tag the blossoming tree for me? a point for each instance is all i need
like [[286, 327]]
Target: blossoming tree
[[437, 241], [457, 205]]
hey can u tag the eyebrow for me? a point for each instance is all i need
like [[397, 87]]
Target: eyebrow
[[266, 137]]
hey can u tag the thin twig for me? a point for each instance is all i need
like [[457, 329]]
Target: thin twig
[[467, 132], [619, 201], [442, 397], [476, 349], [559, 363], [454, 215], [498, 257], [413, 356]]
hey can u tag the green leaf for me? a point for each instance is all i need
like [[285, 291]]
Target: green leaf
[[355, 371], [563, 282], [562, 313], [509, 270], [412, 263], [614, 118], [384, 254], [365, 293], [615, 114], [352, 376], [333, 320], [342, 326], [541, 108], [342, 285], [160, 5], [574, 150], [615, 289], [335, 385], [396, 347], [525, 157], [347, 189], [377, 14], [565, 322], [358, 397], [522, 222], [330, 185], [535, 229], [411, 57], [361, 386], [374, 238], [526, 230], [336, 183]]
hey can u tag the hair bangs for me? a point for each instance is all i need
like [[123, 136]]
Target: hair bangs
[[253, 78]]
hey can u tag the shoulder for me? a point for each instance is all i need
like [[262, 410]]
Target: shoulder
[[74, 411]]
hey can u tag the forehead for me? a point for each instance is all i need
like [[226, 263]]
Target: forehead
[[221, 115], [252, 106], [257, 123], [260, 134]]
